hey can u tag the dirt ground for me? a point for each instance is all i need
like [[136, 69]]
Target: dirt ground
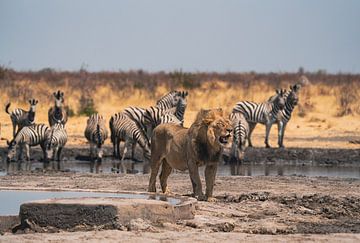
[[248, 208]]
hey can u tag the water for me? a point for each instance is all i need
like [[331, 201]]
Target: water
[[246, 169], [11, 200], [295, 169]]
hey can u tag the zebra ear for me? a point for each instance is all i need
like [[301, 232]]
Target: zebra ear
[[277, 91], [186, 93], [62, 94], [36, 101], [54, 94], [30, 102], [7, 142]]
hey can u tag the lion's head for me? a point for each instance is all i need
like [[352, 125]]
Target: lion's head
[[218, 127]]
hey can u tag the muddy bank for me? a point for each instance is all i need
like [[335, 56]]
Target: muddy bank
[[252, 205]]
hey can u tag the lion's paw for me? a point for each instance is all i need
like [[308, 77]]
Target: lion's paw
[[211, 199]]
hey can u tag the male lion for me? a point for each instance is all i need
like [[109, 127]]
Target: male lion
[[176, 147]]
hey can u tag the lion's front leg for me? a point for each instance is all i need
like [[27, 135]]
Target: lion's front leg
[[195, 180], [210, 173]]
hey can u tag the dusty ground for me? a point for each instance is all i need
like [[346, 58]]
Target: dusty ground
[[251, 208]]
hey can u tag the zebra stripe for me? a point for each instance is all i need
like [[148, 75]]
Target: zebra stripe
[[57, 113], [137, 115], [265, 113], [22, 118], [124, 129], [170, 118], [56, 139]]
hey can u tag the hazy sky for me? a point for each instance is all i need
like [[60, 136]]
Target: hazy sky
[[195, 35]]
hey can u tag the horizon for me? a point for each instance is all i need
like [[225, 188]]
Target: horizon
[[202, 36]]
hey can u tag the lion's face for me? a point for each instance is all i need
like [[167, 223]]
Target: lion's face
[[219, 129]]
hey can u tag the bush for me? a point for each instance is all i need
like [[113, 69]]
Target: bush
[[69, 111], [87, 106], [348, 98]]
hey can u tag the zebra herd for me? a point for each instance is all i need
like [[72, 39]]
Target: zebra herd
[[134, 125], [51, 139]]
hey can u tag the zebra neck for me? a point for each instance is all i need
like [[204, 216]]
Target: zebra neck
[[58, 113], [31, 116], [288, 110]]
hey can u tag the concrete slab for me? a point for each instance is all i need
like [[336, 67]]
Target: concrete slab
[[109, 212]]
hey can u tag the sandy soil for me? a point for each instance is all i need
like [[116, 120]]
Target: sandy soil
[[251, 208]]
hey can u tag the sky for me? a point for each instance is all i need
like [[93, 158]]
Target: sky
[[192, 35]]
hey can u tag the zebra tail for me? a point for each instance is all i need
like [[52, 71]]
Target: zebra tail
[[7, 108], [98, 136]]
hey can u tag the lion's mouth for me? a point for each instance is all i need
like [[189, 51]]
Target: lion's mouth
[[224, 139]]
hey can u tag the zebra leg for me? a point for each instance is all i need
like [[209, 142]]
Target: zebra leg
[[281, 129], [133, 151], [59, 158], [165, 172], [27, 154], [251, 129], [123, 168], [268, 128], [92, 161]]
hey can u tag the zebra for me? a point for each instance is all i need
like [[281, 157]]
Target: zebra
[[171, 99], [56, 139], [22, 118], [96, 134], [291, 100], [124, 129], [240, 135], [265, 113], [156, 115], [27, 137], [57, 113]]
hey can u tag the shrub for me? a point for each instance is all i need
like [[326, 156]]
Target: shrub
[[87, 106], [347, 98]]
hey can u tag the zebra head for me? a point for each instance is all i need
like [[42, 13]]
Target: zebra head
[[293, 97], [11, 150], [59, 98], [279, 100]]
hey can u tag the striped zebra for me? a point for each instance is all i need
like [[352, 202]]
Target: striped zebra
[[240, 136], [155, 116], [291, 100], [96, 134], [124, 129], [137, 115], [56, 139], [171, 99], [27, 137], [22, 118], [57, 113], [265, 113]]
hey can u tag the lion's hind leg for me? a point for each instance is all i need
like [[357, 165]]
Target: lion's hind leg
[[155, 165], [165, 172]]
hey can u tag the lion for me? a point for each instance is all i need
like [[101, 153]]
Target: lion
[[176, 147]]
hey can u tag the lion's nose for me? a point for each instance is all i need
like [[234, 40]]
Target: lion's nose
[[229, 130]]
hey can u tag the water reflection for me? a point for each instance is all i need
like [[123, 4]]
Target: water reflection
[[284, 169]]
